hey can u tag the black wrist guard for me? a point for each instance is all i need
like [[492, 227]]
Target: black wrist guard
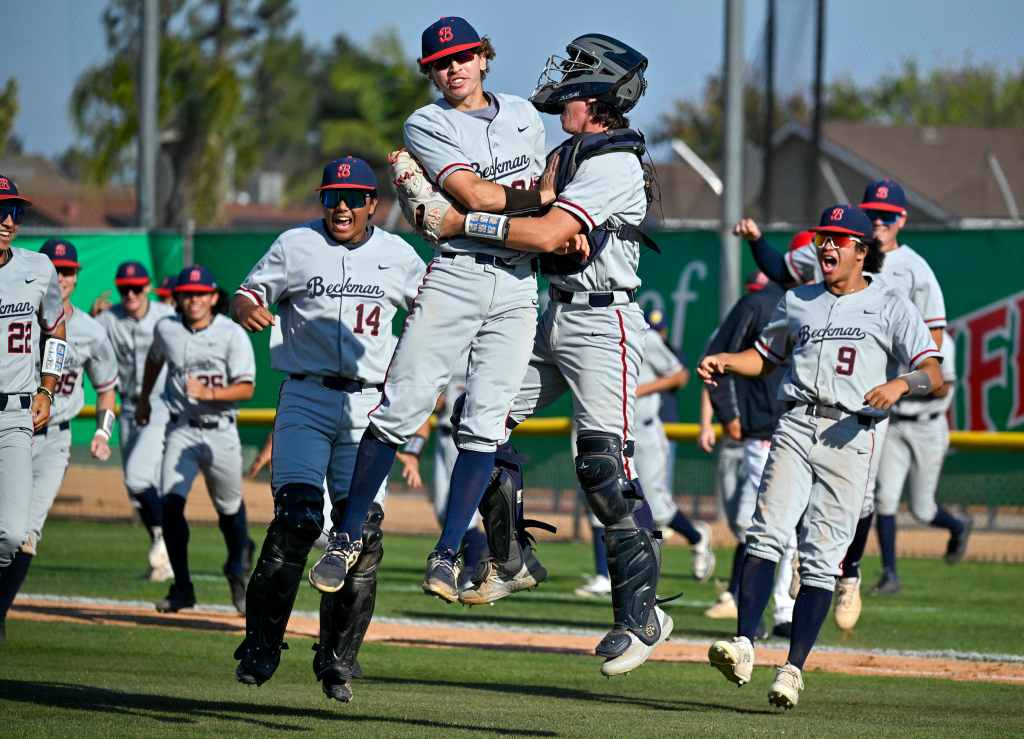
[[520, 202]]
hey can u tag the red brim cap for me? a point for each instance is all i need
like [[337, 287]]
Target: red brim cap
[[22, 198], [884, 206], [195, 289], [163, 292], [449, 51], [131, 281], [345, 187], [65, 263], [837, 230]]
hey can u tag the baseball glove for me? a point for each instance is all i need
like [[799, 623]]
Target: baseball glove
[[423, 205]]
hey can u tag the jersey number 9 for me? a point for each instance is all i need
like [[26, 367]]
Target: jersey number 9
[[847, 357]]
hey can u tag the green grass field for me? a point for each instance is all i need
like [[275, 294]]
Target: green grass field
[[89, 680]]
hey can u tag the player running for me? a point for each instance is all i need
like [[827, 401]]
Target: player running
[[210, 369], [477, 301], [30, 302], [337, 283], [843, 339], [89, 352], [129, 324]]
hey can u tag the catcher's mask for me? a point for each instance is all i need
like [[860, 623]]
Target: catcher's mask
[[597, 66]]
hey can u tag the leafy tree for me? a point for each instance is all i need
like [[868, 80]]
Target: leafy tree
[[8, 112]]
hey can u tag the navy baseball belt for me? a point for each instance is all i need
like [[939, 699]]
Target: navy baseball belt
[[198, 424], [917, 417], [62, 426], [490, 259], [593, 299], [834, 413], [8, 401], [341, 384]]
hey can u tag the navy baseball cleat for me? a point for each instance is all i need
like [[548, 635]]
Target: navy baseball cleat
[[339, 691], [957, 546], [177, 599], [328, 574], [442, 578]]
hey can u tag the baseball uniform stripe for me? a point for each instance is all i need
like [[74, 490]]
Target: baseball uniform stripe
[[578, 211], [453, 167], [55, 323], [109, 385], [625, 401], [940, 320], [766, 350], [246, 292], [929, 350]]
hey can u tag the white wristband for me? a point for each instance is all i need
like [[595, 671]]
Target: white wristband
[[487, 226], [53, 356]]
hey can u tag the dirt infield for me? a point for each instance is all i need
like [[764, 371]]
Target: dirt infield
[[91, 492], [111, 613]]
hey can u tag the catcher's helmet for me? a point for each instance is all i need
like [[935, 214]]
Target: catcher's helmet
[[598, 66]]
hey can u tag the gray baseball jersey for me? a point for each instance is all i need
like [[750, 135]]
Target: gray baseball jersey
[[29, 299], [606, 189], [509, 150], [659, 361], [928, 405], [89, 352], [131, 339], [903, 268], [335, 302], [842, 346], [218, 355]]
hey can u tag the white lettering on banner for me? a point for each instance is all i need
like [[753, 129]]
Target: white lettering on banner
[[682, 296]]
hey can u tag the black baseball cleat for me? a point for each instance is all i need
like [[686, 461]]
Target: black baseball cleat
[[888, 585], [237, 585], [249, 557], [442, 577], [338, 691], [256, 666], [957, 546], [783, 630], [177, 599]]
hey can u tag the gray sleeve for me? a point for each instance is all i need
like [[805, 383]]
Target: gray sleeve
[[929, 300], [774, 342], [158, 349], [948, 352], [414, 278], [51, 310], [911, 340], [241, 359], [267, 282], [102, 365], [437, 151], [662, 360]]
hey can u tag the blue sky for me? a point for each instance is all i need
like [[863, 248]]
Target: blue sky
[[48, 43]]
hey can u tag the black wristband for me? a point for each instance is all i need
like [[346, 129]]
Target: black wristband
[[520, 202]]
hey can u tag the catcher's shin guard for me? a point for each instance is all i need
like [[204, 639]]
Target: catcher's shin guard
[[633, 566], [345, 615], [270, 596]]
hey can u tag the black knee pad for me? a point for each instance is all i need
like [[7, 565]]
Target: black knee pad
[[609, 492], [299, 510]]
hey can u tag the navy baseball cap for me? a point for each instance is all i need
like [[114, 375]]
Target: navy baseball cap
[[166, 287], [131, 274], [885, 195], [61, 253], [656, 319], [9, 191], [348, 172], [195, 279], [845, 219], [447, 36]]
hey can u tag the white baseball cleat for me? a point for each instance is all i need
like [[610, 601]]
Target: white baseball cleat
[[159, 563], [637, 652], [734, 659], [596, 586], [785, 691], [723, 608], [703, 558], [848, 605]]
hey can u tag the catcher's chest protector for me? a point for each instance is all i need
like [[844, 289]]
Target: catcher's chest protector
[[574, 151]]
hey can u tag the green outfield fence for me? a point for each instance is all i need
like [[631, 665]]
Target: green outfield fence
[[984, 308]]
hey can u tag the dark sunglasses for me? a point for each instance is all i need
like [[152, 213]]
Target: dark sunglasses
[[351, 198], [838, 240], [67, 271], [462, 57], [125, 289], [887, 217], [14, 210]]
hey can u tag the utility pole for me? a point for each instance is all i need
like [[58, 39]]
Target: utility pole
[[148, 124], [732, 169], [812, 206], [767, 155]]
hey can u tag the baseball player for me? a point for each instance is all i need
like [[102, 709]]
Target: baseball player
[[477, 305], [31, 310], [843, 339], [89, 351], [337, 283], [753, 407], [165, 291], [660, 372], [210, 368], [912, 456], [129, 324], [589, 338]]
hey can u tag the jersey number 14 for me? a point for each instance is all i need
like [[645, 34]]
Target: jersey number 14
[[367, 319]]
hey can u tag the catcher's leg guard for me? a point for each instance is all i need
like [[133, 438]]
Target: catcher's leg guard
[[633, 566], [611, 496], [345, 615], [298, 521], [512, 565]]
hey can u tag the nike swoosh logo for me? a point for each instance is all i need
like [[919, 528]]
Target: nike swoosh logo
[[521, 129], [30, 281], [383, 266]]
